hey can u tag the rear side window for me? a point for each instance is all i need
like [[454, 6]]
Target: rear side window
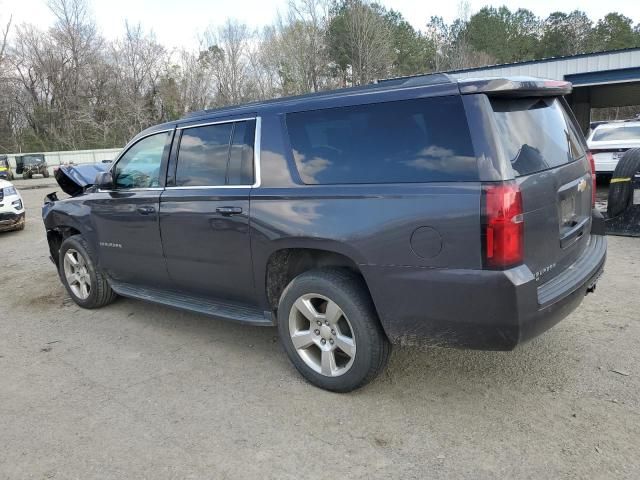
[[536, 134], [409, 141], [626, 132], [216, 155]]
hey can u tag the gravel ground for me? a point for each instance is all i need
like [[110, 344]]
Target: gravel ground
[[139, 391]]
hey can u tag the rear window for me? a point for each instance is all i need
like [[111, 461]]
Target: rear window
[[536, 134], [627, 132], [409, 141]]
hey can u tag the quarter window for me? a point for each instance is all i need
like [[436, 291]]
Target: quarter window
[[409, 141], [139, 167]]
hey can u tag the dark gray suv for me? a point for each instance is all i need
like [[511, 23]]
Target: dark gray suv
[[421, 210]]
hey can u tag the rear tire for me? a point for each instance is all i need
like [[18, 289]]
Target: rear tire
[[621, 191], [46, 173], [74, 251], [340, 301]]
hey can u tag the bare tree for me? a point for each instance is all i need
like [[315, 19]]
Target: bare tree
[[5, 36], [360, 41], [226, 53], [138, 61]]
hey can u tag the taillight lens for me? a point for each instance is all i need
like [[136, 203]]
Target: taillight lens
[[592, 163], [503, 225]]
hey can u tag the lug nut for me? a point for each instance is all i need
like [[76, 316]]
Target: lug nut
[[333, 332], [316, 331], [331, 341], [326, 322], [319, 322], [323, 341]]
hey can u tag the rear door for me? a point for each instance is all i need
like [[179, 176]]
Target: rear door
[[204, 212], [548, 158]]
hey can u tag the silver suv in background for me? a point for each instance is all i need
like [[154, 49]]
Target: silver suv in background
[[609, 142]]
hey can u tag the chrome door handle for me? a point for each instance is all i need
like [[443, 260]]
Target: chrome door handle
[[146, 210], [227, 211]]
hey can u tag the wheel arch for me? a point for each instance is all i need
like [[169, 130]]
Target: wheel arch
[[285, 263]]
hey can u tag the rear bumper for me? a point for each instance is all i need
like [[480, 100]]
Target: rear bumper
[[488, 310]]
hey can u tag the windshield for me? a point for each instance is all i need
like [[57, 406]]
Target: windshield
[[32, 160], [626, 132], [536, 133]]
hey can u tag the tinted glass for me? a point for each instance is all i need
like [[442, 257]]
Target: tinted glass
[[203, 155], [139, 167], [241, 154], [412, 141], [536, 134], [627, 132]]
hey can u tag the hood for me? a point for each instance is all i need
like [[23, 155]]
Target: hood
[[74, 179]]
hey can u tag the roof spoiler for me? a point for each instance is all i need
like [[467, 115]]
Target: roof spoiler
[[515, 86]]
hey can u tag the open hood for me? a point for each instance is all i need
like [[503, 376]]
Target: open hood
[[74, 179]]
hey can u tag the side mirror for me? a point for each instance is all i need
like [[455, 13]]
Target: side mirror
[[104, 181]]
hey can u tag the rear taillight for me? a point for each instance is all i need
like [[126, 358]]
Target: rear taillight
[[503, 225], [592, 164]]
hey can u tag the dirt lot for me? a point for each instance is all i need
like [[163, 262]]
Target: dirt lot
[[139, 391]]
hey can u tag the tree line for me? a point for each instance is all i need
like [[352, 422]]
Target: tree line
[[67, 87]]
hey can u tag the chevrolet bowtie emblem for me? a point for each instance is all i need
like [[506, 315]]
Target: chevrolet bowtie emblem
[[582, 185]]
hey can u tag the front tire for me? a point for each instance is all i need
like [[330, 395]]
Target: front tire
[[330, 330], [84, 282]]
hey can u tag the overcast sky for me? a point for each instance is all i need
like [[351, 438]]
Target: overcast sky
[[177, 23]]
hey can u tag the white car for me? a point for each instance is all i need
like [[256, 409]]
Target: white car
[[608, 143], [11, 207]]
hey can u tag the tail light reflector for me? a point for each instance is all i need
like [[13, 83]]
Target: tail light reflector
[[503, 225]]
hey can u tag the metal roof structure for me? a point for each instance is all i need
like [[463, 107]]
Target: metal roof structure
[[602, 79], [613, 66]]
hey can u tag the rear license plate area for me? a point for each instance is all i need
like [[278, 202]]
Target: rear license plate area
[[568, 215]]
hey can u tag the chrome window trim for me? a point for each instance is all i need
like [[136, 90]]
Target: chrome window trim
[[256, 153], [148, 189], [216, 122], [206, 187], [256, 156]]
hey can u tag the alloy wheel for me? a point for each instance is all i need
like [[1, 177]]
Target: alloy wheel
[[322, 335], [77, 274]]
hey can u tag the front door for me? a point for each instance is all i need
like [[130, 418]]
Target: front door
[[126, 217], [204, 211]]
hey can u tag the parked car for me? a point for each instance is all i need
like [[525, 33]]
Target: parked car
[[11, 207], [30, 165], [418, 210], [609, 142], [5, 168]]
